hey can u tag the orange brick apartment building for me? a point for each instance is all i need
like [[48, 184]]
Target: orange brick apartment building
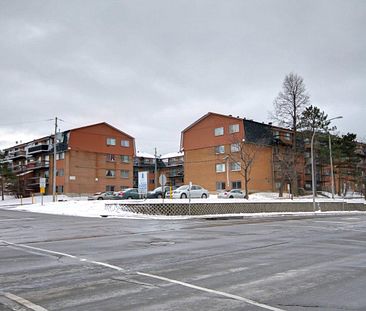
[[208, 142], [93, 158]]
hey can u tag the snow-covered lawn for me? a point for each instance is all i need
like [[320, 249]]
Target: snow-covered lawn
[[80, 206]]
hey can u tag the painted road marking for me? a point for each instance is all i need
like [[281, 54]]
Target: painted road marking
[[24, 302], [42, 250], [14, 219], [204, 289]]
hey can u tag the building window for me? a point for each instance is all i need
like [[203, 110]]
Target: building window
[[111, 141], [60, 189], [220, 149], [219, 131], [233, 128], [60, 172], [111, 158], [110, 173], [287, 136], [236, 184], [125, 143], [235, 166], [235, 147], [124, 187], [109, 188], [220, 168], [125, 159], [220, 185], [276, 134], [152, 181], [124, 173], [60, 156]]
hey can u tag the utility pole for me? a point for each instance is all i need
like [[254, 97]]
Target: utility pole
[[156, 168], [313, 170], [54, 163]]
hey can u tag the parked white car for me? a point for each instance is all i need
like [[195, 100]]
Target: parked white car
[[184, 192], [233, 193]]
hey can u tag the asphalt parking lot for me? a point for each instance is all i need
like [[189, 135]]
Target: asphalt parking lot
[[50, 262]]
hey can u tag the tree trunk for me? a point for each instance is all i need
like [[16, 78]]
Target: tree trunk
[[246, 184], [2, 188], [280, 190]]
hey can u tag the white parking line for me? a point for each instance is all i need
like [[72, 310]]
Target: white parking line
[[61, 254], [204, 289], [14, 219], [24, 302]]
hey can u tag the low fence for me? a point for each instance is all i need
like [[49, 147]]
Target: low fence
[[184, 209]]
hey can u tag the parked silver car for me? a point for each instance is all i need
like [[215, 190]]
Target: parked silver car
[[233, 193], [195, 191], [108, 195]]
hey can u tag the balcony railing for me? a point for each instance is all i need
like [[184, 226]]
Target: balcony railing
[[38, 164], [38, 149], [17, 154], [18, 168]]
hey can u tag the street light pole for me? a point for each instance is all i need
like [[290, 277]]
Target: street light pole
[[227, 173], [54, 164], [331, 166], [313, 170], [331, 157]]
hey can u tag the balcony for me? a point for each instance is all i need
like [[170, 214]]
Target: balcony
[[17, 154], [19, 168], [38, 165], [38, 149], [175, 173]]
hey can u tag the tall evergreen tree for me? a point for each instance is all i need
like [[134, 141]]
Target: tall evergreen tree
[[345, 159]]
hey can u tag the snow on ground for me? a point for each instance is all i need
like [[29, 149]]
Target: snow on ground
[[80, 206]]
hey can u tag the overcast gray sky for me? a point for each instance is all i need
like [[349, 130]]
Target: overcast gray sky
[[151, 68]]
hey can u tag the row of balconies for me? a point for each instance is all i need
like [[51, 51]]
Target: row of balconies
[[30, 166], [24, 153]]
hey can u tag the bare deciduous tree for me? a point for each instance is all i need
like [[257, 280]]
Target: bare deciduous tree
[[242, 155], [288, 107]]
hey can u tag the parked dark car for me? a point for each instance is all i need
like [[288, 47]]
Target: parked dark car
[[157, 193], [129, 193]]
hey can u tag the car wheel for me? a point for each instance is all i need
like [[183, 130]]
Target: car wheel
[[159, 196], [231, 197], [100, 199], [183, 196], [204, 196], [129, 198]]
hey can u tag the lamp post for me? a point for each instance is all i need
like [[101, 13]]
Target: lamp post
[[226, 158], [312, 169], [313, 166], [331, 158]]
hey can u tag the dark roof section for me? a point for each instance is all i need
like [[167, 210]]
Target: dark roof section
[[258, 133]]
